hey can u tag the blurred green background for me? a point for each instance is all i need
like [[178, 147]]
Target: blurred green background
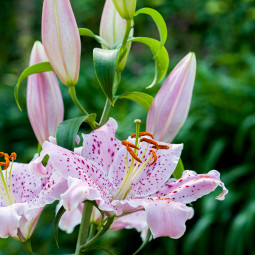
[[218, 134]]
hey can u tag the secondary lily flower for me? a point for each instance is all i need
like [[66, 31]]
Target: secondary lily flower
[[113, 28], [19, 189], [129, 176], [171, 105], [126, 8], [45, 105], [61, 40]]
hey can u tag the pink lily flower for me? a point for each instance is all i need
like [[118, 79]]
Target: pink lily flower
[[113, 28], [171, 105], [61, 40], [122, 180], [45, 105], [19, 189]]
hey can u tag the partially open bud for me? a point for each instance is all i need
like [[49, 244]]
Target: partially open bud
[[171, 105], [61, 40], [126, 8], [44, 100], [113, 28]]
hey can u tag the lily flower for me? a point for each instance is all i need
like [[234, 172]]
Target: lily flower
[[171, 105], [126, 8], [45, 105], [19, 189], [61, 39], [129, 176]]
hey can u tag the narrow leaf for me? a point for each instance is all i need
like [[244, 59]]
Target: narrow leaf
[[160, 55], [143, 99], [146, 241], [177, 174], [59, 215], [105, 62], [37, 68], [158, 19], [89, 33], [45, 160], [68, 129]]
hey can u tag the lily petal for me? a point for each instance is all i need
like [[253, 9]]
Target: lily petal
[[101, 145], [192, 186], [164, 217]]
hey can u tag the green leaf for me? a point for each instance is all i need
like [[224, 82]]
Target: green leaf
[[59, 215], [89, 33], [145, 242], [45, 160], [68, 129], [158, 19], [177, 174], [37, 68], [105, 62], [160, 55], [141, 98]]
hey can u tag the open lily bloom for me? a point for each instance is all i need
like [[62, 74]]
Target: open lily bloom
[[129, 176], [19, 187]]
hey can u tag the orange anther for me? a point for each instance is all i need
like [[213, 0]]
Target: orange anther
[[150, 141], [7, 160], [128, 144], [143, 134], [13, 156], [133, 155], [161, 147], [154, 156]]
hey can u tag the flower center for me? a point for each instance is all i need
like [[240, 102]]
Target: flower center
[[5, 179], [132, 170]]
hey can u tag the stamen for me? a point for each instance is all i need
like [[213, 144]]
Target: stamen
[[126, 143], [161, 147], [133, 155], [143, 134], [154, 156], [13, 156], [150, 141]]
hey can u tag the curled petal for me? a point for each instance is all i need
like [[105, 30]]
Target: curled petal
[[192, 186], [171, 105], [164, 217]]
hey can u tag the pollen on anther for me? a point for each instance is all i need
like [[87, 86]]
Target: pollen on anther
[[154, 156], [143, 134], [133, 154], [126, 143], [150, 141]]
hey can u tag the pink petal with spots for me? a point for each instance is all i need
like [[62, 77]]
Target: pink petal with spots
[[68, 163], [101, 145], [164, 217], [152, 177], [70, 219], [79, 191], [192, 186]]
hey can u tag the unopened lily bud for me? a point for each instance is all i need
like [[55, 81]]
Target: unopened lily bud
[[61, 40], [44, 100], [113, 28], [171, 105], [126, 8]]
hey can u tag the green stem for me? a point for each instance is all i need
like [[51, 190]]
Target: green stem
[[84, 227], [27, 247], [92, 230], [128, 29], [98, 235], [72, 93], [147, 239]]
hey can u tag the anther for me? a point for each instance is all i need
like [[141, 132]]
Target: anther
[[143, 134], [13, 156], [154, 156], [150, 141], [126, 143], [7, 160], [161, 147], [133, 155]]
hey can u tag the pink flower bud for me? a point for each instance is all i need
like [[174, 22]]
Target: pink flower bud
[[126, 8], [44, 100], [171, 105], [61, 40], [113, 28]]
